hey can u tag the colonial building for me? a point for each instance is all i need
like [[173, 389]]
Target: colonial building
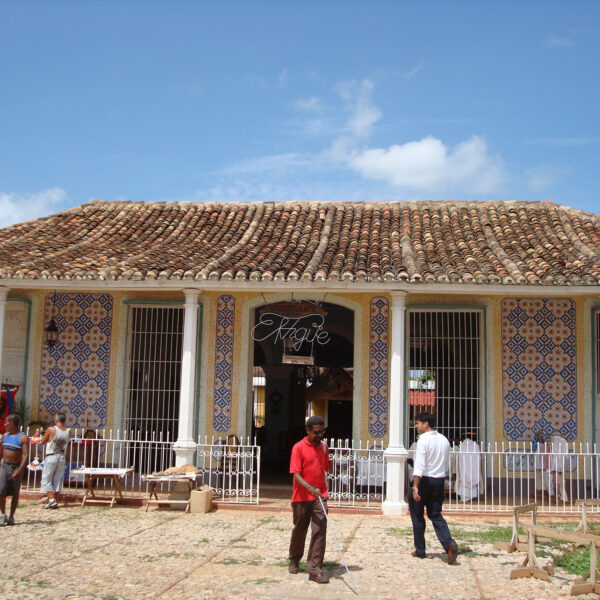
[[168, 314]]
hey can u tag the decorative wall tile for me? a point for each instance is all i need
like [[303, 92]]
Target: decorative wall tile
[[74, 372], [223, 364], [378, 367], [539, 383]]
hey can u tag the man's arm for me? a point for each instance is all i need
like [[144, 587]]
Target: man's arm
[[311, 489], [48, 435], [327, 464], [420, 460], [24, 456], [415, 488]]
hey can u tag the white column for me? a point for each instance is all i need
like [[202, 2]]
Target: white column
[[396, 454], [185, 445], [3, 296]]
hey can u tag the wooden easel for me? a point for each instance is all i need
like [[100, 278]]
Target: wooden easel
[[584, 524], [518, 542], [532, 567]]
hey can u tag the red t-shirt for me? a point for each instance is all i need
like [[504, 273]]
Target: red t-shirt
[[311, 462]]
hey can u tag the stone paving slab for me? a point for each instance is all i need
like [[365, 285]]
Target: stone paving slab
[[125, 553]]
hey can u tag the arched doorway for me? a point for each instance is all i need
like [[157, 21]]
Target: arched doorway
[[303, 364]]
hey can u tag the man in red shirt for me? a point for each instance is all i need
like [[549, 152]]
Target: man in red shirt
[[310, 460]]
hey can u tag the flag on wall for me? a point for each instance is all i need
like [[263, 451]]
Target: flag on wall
[[7, 397]]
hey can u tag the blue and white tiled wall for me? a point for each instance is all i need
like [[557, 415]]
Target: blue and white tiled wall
[[75, 371], [539, 367], [378, 367]]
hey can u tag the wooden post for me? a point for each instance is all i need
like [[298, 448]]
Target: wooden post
[[531, 567], [516, 542], [585, 503]]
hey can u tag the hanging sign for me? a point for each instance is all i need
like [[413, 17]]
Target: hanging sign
[[297, 359], [300, 323], [294, 309]]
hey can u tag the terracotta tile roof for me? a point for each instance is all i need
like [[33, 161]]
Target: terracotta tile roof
[[511, 243]]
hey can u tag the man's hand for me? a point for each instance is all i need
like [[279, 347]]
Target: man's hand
[[416, 496], [16, 474], [315, 491]]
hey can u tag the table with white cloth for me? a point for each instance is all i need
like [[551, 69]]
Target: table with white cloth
[[549, 466], [91, 474], [466, 465]]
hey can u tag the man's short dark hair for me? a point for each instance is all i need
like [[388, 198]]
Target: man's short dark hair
[[314, 420], [426, 417], [61, 417], [14, 419]]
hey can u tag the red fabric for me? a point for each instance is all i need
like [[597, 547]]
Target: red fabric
[[421, 397], [311, 462], [7, 399]]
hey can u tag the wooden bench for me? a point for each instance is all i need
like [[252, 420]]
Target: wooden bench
[[532, 567], [152, 480], [518, 542]]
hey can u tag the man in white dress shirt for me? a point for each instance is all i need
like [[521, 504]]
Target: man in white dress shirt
[[430, 470]]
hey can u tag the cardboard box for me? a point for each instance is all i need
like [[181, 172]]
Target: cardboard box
[[201, 499]]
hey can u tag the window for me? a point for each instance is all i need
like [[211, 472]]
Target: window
[[444, 370], [154, 345]]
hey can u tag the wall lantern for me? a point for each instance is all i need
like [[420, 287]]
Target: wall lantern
[[51, 331]]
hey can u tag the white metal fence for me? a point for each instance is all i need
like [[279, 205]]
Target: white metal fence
[[357, 474], [501, 476], [231, 468], [490, 479]]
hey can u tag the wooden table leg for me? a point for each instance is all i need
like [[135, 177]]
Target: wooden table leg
[[117, 490], [187, 506], [151, 490], [89, 482]]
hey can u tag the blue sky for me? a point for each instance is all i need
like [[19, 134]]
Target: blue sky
[[281, 100]]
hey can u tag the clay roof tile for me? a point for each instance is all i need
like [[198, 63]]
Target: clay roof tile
[[513, 243]]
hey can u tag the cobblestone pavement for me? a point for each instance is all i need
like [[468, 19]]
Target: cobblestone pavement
[[125, 553]]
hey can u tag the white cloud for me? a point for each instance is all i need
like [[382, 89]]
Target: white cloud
[[312, 104], [565, 142], [412, 72], [364, 114], [261, 189], [282, 78], [545, 175], [413, 168], [274, 162], [16, 208], [428, 165], [555, 41]]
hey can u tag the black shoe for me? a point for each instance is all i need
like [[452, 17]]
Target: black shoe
[[10, 520], [319, 577], [452, 553], [293, 567]]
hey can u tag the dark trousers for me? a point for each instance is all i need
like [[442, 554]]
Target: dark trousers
[[305, 513], [431, 490]]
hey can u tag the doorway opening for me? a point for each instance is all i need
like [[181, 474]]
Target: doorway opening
[[302, 366]]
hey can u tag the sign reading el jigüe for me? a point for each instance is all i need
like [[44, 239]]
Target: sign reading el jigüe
[[300, 321]]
